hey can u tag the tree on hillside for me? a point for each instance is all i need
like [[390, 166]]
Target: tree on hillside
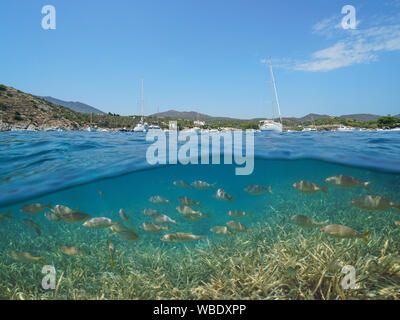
[[388, 122]]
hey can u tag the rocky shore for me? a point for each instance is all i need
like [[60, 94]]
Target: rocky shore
[[31, 126]]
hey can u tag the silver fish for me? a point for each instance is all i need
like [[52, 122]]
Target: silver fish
[[257, 190], [123, 215], [237, 226], [342, 181], [158, 200], [189, 202], [309, 187], [158, 217], [98, 223], [239, 214], [202, 185], [372, 203], [185, 210], [222, 195], [191, 214], [6, 216], [180, 237], [33, 225], [221, 230], [181, 184], [34, 208], [128, 235], [153, 227], [60, 211], [305, 221], [340, 231]]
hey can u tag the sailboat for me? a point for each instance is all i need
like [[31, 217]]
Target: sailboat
[[313, 128], [141, 126], [272, 125], [90, 127]]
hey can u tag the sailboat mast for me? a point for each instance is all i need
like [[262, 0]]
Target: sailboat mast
[[142, 99], [269, 84], [274, 84], [272, 101]]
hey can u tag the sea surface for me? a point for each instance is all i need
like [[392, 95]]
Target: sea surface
[[99, 173]]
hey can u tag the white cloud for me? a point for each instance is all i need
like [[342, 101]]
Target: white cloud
[[328, 26], [353, 47]]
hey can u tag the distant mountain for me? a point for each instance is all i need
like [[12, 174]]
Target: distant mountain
[[313, 116], [192, 115], [366, 117], [187, 115], [75, 106], [362, 117]]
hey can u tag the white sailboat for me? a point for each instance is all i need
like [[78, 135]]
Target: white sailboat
[[272, 125], [154, 127], [90, 127], [141, 126], [345, 129], [313, 128]]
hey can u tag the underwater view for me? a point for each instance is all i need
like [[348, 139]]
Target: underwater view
[[318, 218]]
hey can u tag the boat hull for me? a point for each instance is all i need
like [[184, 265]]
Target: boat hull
[[274, 127]]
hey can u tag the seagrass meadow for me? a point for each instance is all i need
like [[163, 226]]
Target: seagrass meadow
[[274, 259]]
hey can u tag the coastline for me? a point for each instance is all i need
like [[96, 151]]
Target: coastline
[[5, 127]]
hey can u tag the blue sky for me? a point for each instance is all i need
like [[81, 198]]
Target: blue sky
[[206, 55]]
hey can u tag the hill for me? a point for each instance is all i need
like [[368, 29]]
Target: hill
[[192, 115], [23, 111], [75, 106], [313, 117], [187, 115], [20, 110], [362, 117]]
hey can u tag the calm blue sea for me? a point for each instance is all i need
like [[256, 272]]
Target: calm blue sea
[[69, 168], [41, 163]]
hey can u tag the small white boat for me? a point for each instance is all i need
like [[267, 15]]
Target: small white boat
[[154, 127], [309, 129], [54, 129], [270, 125], [345, 129], [90, 129], [195, 130], [141, 127]]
